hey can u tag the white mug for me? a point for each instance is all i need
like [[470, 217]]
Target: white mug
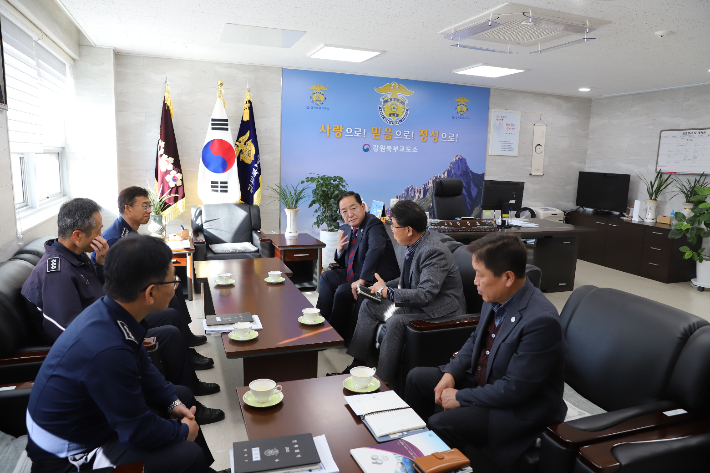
[[311, 314], [362, 375], [262, 389], [274, 275], [243, 329]]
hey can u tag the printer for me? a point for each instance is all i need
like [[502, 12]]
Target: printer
[[549, 213]]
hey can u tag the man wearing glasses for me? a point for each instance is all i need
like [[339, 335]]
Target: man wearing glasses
[[97, 400], [364, 248], [65, 282], [134, 209]]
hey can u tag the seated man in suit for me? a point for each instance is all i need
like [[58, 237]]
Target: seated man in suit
[[97, 400], [134, 209], [505, 385], [65, 282], [364, 248], [429, 286]]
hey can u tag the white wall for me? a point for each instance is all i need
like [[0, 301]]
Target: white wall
[[624, 132], [8, 226], [140, 85], [567, 120]]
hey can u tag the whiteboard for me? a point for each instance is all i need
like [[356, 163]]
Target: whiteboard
[[684, 151]]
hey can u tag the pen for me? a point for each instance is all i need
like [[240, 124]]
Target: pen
[[182, 226]]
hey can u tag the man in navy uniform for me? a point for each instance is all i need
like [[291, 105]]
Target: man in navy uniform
[[65, 282], [364, 248], [134, 209], [97, 400]]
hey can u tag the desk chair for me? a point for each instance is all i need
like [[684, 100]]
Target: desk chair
[[447, 200]]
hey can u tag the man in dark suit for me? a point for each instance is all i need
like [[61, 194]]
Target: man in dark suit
[[505, 385], [364, 248], [429, 287]]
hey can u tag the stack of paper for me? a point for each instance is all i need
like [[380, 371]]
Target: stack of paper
[[522, 223], [209, 329], [178, 245]]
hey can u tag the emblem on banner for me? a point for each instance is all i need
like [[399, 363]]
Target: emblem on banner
[[317, 94], [461, 107], [393, 107]]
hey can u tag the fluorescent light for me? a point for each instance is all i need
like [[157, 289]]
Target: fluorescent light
[[584, 89], [484, 70], [340, 53]]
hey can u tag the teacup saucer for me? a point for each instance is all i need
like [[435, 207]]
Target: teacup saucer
[[252, 335], [274, 281], [250, 400], [350, 385], [319, 320], [226, 282]]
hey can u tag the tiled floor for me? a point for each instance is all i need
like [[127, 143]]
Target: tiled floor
[[229, 374]]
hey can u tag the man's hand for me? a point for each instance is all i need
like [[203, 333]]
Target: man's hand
[[187, 416], [100, 246], [447, 381], [448, 399], [354, 285], [342, 241], [194, 428], [379, 285]]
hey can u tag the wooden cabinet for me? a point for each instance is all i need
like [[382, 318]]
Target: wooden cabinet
[[633, 247]]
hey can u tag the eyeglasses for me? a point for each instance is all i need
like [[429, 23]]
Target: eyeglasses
[[175, 282], [399, 227], [145, 207]]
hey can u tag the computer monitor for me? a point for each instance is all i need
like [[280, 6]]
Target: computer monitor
[[502, 195]]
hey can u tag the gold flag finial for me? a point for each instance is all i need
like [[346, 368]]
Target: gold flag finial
[[168, 100], [247, 99], [220, 92]]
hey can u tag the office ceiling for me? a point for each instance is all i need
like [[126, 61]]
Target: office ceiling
[[625, 57]]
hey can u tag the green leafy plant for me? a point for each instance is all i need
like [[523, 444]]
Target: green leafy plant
[[657, 185], [326, 190], [695, 226], [158, 203], [289, 196], [686, 188]]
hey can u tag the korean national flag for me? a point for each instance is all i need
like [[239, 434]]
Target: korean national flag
[[217, 178]]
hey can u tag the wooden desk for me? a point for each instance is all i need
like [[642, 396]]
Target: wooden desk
[[285, 349], [303, 247], [182, 257], [313, 406]]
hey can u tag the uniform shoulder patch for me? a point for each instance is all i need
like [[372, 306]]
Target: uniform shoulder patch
[[54, 264], [124, 232], [126, 332]]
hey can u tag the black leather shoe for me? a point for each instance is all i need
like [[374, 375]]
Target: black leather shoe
[[207, 415], [199, 340], [198, 361], [203, 389]]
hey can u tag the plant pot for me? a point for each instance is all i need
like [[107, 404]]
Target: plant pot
[[291, 227], [651, 210], [156, 226], [687, 209], [331, 243]]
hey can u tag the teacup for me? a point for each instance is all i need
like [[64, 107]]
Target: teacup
[[362, 375], [243, 329], [224, 277], [274, 275], [262, 389], [311, 314]]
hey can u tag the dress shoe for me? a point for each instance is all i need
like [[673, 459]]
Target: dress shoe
[[198, 361], [203, 389], [207, 415], [199, 340]]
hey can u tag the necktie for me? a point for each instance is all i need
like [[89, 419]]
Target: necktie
[[351, 255], [405, 269]]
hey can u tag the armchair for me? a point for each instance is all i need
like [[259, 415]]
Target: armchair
[[228, 223]]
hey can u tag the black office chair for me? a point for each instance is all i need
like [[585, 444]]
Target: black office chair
[[447, 201]]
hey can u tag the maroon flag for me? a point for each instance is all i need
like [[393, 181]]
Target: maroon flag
[[168, 171]]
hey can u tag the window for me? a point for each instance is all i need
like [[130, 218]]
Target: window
[[36, 93]]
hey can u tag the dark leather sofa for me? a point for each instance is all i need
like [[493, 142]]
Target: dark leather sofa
[[228, 223]]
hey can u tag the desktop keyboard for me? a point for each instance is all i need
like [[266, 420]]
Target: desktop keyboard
[[468, 225]]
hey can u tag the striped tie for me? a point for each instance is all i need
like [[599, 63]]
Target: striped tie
[[351, 256]]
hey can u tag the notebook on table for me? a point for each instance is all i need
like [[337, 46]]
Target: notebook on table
[[386, 415], [228, 319]]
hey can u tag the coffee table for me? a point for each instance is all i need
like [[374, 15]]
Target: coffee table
[[313, 406], [285, 349]]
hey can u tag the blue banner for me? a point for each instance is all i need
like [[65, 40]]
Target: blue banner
[[388, 138]]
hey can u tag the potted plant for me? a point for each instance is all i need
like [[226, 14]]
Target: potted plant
[[654, 188], [693, 227], [290, 197], [158, 205], [325, 193], [686, 189]]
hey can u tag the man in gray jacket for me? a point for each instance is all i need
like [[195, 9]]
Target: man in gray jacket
[[429, 287]]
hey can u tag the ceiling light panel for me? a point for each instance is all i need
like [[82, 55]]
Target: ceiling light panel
[[259, 36], [342, 53], [484, 70]]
